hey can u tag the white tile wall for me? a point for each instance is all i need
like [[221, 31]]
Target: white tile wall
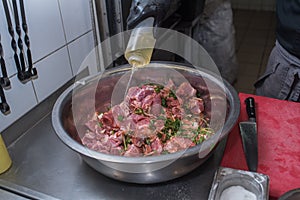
[[60, 34], [20, 98], [44, 26], [9, 61], [76, 20], [53, 72], [79, 50]]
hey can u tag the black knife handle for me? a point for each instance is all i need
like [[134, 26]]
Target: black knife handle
[[250, 108], [4, 107]]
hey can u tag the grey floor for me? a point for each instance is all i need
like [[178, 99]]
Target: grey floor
[[255, 38]]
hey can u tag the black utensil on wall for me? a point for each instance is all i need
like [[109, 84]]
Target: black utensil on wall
[[20, 42], [4, 80], [21, 75], [31, 69], [4, 107]]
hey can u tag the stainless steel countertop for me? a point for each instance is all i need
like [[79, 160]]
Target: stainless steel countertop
[[44, 168], [10, 196]]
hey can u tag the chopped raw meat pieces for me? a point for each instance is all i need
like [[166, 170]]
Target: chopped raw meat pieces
[[152, 120]]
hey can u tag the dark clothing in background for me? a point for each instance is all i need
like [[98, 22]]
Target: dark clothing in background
[[288, 25], [281, 79]]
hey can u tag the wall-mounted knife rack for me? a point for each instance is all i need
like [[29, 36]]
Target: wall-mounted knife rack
[[23, 74]]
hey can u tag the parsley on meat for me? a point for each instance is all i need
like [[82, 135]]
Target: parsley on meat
[[148, 141], [158, 88], [202, 134], [139, 111], [171, 127], [164, 102], [199, 94], [126, 141], [171, 94], [120, 118]]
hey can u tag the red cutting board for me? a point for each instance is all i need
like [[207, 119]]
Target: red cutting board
[[278, 126]]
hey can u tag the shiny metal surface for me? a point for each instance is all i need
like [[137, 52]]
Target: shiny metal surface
[[10, 196], [42, 163], [22, 192], [249, 138], [139, 169], [224, 178]]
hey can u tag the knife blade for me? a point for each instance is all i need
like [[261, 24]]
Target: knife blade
[[248, 131]]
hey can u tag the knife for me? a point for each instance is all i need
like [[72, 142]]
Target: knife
[[248, 131]]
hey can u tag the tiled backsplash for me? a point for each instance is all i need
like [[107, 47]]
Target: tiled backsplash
[[61, 36], [267, 5]]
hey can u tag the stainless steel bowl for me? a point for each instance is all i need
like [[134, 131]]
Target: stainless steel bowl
[[93, 93]]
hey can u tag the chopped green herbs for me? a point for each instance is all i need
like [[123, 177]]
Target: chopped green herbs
[[152, 125], [164, 152], [139, 111], [198, 139], [148, 141], [171, 127], [159, 135], [171, 94], [199, 94], [158, 88], [120, 118], [164, 102], [126, 141], [202, 134]]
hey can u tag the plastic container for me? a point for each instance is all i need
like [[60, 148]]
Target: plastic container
[[5, 161], [254, 183], [141, 44]]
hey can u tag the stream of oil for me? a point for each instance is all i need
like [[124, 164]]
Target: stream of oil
[[133, 69], [137, 59]]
